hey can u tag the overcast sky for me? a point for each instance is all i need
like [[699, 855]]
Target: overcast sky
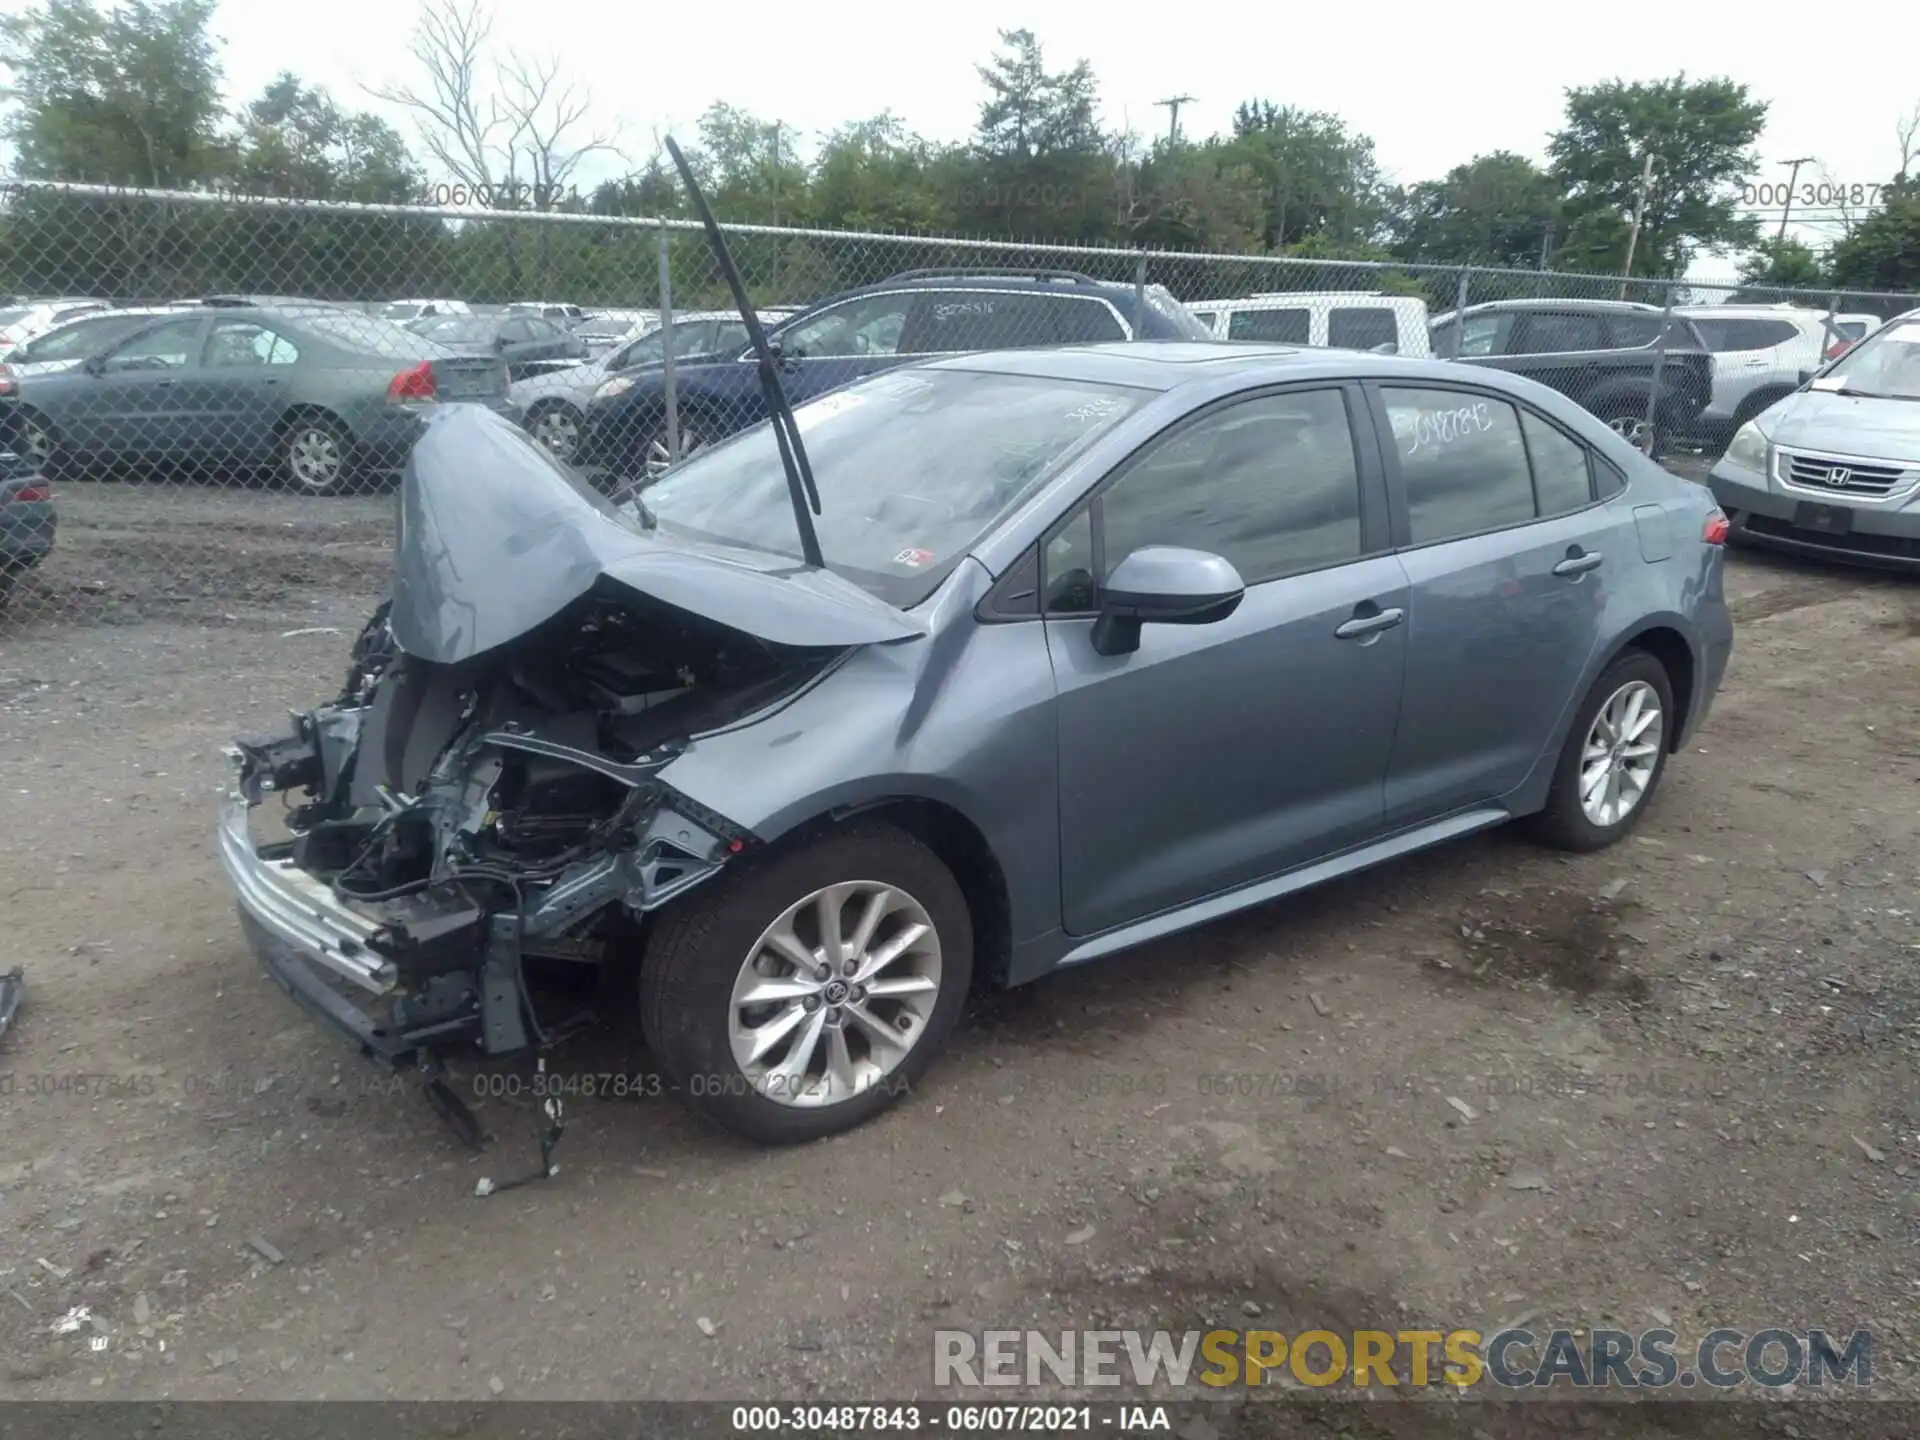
[[1433, 85]]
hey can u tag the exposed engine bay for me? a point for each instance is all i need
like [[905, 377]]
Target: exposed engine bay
[[506, 806]]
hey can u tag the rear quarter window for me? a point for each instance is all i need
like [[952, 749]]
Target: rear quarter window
[[1362, 328]]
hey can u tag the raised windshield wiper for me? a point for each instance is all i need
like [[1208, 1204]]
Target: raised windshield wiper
[[793, 455]]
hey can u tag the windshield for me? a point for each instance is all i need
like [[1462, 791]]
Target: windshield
[[457, 329], [913, 466], [1886, 364], [79, 340]]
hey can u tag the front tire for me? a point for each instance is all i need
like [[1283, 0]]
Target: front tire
[[800, 995], [1614, 757], [557, 428]]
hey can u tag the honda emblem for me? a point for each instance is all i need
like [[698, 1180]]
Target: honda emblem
[[1838, 476]]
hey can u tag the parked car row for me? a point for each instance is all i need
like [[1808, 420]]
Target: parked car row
[[320, 397]]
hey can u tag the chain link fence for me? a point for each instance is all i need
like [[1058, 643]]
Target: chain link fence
[[207, 399]]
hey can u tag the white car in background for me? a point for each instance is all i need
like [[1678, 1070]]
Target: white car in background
[[22, 323], [1762, 353], [1342, 319], [554, 403]]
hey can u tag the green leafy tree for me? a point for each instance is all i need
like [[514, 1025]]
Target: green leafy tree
[[1040, 165], [1779, 264], [128, 95], [1701, 135], [1883, 252], [1316, 176], [1498, 209]]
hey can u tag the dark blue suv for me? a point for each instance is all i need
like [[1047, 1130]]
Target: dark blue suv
[[909, 317]]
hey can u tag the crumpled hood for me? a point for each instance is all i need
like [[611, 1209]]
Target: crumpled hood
[[496, 539], [1844, 424]]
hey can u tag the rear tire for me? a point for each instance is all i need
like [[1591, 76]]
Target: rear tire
[[1604, 758], [316, 455], [824, 1051]]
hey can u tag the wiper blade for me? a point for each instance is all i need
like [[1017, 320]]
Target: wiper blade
[[786, 431]]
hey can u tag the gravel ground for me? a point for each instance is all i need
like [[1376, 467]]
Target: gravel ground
[[1673, 1081]]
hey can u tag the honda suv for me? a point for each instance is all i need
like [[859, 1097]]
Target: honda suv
[[1605, 355], [912, 316]]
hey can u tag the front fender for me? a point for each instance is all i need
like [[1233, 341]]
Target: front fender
[[963, 719]]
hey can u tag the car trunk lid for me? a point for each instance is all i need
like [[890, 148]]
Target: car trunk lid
[[496, 538]]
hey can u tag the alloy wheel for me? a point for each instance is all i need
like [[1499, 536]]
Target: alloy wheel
[[1622, 751], [1633, 429], [658, 459], [315, 458], [559, 431], [835, 994]]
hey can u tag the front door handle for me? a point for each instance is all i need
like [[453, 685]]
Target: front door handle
[[1579, 563], [1361, 626]]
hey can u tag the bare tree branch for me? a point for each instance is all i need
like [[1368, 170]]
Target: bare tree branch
[[514, 129]]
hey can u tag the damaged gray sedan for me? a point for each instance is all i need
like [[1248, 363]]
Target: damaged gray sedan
[[1105, 643]]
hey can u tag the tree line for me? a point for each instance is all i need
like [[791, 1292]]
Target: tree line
[[132, 94]]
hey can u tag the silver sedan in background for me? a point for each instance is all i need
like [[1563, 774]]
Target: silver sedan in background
[[555, 402]]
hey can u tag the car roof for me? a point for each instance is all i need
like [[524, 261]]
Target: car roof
[[1615, 307], [1047, 282], [1169, 364], [1267, 299]]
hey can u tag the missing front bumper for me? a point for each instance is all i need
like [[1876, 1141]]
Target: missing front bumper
[[393, 979]]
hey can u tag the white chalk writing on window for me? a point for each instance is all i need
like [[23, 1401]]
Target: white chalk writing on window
[[1428, 429]]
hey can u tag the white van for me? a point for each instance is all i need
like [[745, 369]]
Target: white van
[[1343, 319]]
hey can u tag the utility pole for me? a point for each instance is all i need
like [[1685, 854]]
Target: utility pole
[[1786, 207], [1546, 245], [1639, 215], [776, 172], [1173, 115]]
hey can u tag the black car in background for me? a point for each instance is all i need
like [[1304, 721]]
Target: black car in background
[[527, 343], [321, 397], [1605, 355], [912, 316]]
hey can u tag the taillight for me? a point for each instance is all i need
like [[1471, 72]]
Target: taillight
[[1717, 529], [414, 384], [36, 493], [1838, 348], [9, 382]]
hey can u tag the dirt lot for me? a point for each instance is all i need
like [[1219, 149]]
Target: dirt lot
[[1675, 1081]]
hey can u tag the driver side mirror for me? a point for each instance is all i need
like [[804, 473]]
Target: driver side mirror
[[94, 365], [1163, 585]]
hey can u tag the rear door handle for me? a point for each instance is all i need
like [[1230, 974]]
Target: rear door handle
[[1363, 625], [1579, 564]]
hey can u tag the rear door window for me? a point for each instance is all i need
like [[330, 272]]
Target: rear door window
[[1559, 332], [951, 320], [1282, 327]]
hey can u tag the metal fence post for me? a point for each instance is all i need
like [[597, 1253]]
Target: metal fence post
[[666, 346], [1139, 291], [1659, 364], [1831, 326], [1459, 315]]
